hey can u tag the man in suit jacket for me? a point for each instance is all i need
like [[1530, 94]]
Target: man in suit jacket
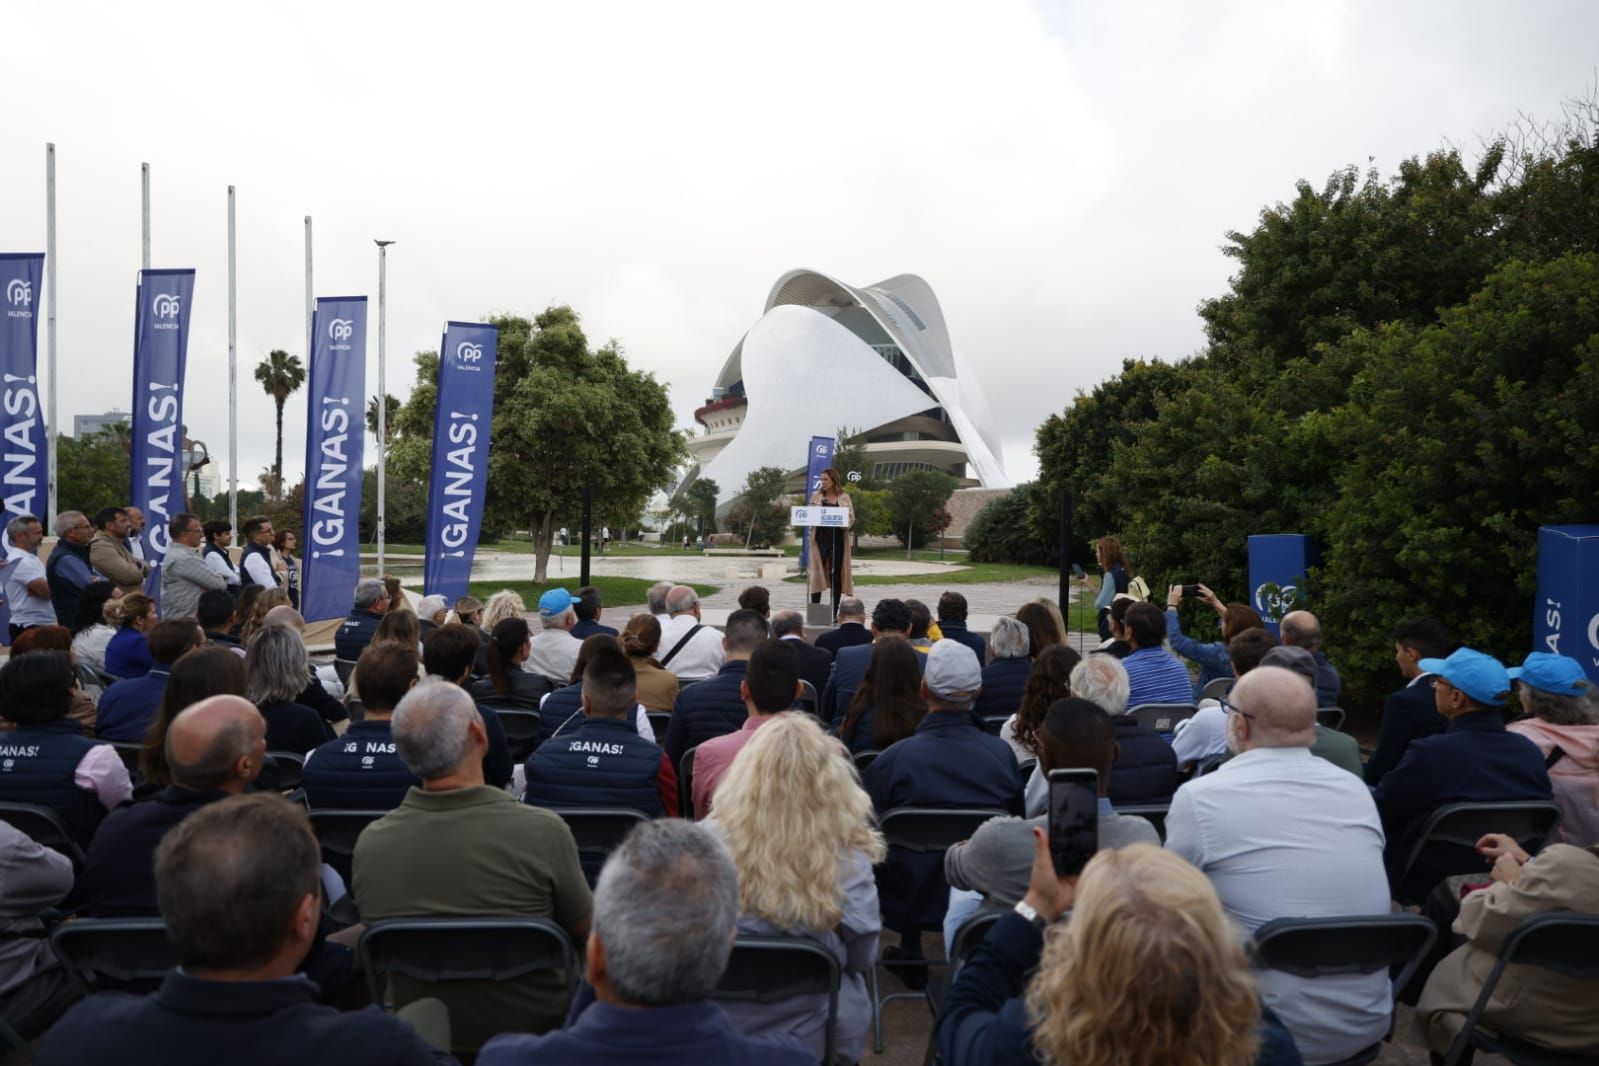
[[815, 664], [952, 623], [851, 628], [890, 618], [1411, 713]]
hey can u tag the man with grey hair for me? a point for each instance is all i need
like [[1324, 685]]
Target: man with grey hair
[[1280, 834], [553, 650], [652, 970], [431, 611], [369, 605], [457, 846], [68, 570], [851, 629], [656, 598], [185, 577], [1301, 629], [690, 649], [1005, 676], [214, 749], [27, 587], [814, 663], [1146, 766]]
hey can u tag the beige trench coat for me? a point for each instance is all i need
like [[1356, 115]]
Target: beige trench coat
[[821, 581]]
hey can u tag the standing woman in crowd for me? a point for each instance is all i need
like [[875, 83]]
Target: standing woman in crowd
[[286, 565], [657, 686], [127, 653], [1115, 578], [888, 705], [1041, 628], [831, 494], [90, 633], [800, 829]]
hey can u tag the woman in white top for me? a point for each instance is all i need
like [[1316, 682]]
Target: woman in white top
[[90, 632]]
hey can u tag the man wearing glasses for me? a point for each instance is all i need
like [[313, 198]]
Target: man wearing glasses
[[68, 570], [184, 575]]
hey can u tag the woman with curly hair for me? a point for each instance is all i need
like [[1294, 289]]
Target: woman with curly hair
[[1050, 680], [1147, 969], [799, 827], [263, 602]]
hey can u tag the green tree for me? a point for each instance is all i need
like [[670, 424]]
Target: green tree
[[761, 510], [391, 414], [280, 375], [1002, 532], [92, 471], [698, 501], [914, 501], [565, 417], [851, 461]]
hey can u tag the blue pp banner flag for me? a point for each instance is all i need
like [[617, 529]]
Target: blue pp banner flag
[[1566, 613], [821, 457], [160, 350], [21, 424], [461, 424], [334, 444], [1281, 560]]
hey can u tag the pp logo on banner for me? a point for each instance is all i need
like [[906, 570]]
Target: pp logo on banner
[[467, 352], [19, 293], [821, 449], [341, 329], [1272, 604], [167, 305]]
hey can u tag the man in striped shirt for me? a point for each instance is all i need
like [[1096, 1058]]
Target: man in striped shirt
[[1155, 674]]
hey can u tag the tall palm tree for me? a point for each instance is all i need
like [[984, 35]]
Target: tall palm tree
[[281, 375]]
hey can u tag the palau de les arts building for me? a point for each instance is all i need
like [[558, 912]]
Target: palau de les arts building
[[827, 355]]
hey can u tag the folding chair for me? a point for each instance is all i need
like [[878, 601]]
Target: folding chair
[[863, 759], [992, 723], [345, 668], [1564, 942], [1451, 833], [660, 721], [444, 950], [46, 827], [290, 768], [1154, 813], [770, 969], [1328, 947], [598, 831], [114, 954], [808, 700], [967, 937], [1215, 690], [1163, 717], [926, 830], [685, 784], [1024, 770], [1330, 717], [337, 832], [522, 726]]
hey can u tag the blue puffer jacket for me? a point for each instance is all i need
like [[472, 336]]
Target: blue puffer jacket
[[563, 707], [1146, 767], [603, 763], [1003, 682], [360, 771], [38, 764]]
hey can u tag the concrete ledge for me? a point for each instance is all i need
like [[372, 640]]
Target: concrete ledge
[[769, 553]]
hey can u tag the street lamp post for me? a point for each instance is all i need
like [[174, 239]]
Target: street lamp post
[[383, 396]]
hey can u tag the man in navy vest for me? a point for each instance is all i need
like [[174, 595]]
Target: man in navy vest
[[215, 749], [371, 603], [46, 760], [68, 571], [255, 561], [361, 771], [604, 762]]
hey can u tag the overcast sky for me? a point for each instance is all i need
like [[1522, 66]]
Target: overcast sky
[[1062, 174]]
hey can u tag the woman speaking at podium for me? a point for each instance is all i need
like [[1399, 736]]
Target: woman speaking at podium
[[831, 547]]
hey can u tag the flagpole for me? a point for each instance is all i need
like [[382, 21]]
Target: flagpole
[[310, 303], [383, 397], [144, 182], [233, 367], [50, 314]]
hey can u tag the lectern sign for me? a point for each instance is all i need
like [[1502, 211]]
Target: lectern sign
[[825, 517]]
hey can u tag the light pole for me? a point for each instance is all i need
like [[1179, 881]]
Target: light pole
[[383, 396]]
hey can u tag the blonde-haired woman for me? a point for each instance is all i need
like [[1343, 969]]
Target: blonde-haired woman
[[1146, 969], [799, 826], [502, 605]]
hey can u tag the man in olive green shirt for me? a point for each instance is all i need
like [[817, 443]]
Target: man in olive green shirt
[[456, 847]]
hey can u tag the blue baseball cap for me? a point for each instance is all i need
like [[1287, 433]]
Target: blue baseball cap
[[1478, 675], [554, 603], [1560, 674]]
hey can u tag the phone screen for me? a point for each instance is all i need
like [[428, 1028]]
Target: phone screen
[[1073, 819]]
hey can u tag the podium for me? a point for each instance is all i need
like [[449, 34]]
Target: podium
[[833, 522]]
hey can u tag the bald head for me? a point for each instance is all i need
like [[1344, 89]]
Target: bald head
[[1301, 629], [284, 615], [219, 742], [1277, 707]]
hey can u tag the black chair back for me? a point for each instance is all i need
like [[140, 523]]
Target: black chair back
[[1162, 717], [1154, 813], [808, 700], [1330, 717], [770, 969], [290, 767], [598, 831], [863, 759], [337, 832], [442, 950], [114, 954], [521, 725], [685, 783], [46, 827], [660, 721], [1328, 947], [1024, 770], [932, 829], [1449, 838], [1562, 941], [992, 723]]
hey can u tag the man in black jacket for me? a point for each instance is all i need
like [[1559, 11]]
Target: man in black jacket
[[851, 628], [1411, 713], [814, 663], [240, 889], [952, 623], [713, 707]]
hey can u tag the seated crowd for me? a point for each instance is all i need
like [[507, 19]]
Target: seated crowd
[[473, 745]]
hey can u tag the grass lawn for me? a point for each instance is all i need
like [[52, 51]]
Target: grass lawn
[[613, 590], [522, 546], [957, 574]]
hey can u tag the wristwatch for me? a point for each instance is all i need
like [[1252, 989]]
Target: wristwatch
[[1036, 920]]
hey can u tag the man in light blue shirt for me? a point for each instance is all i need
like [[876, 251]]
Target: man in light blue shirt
[[1154, 674]]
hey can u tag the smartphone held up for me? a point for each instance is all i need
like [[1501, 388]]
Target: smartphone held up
[[1073, 819]]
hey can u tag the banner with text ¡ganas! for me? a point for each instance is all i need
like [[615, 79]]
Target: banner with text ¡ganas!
[[22, 440], [160, 352], [334, 445], [821, 457], [461, 425]]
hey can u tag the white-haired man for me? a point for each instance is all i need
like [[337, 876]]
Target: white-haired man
[[689, 648]]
